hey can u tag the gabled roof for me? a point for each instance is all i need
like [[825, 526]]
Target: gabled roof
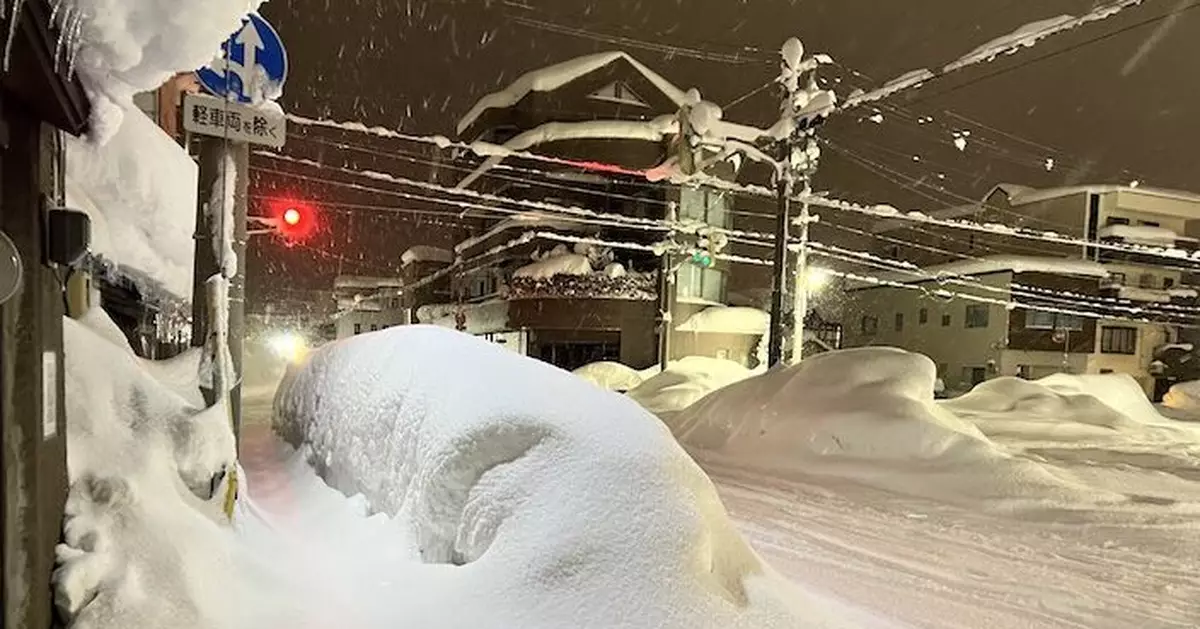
[[1020, 195], [553, 77]]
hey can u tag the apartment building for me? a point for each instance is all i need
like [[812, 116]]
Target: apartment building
[[1138, 298]]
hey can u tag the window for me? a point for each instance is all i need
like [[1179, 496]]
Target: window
[[395, 303], [374, 327], [696, 282], [1117, 278], [358, 328], [619, 93], [945, 321], [977, 316], [1168, 282], [893, 251], [1106, 371], [870, 325], [1116, 220], [705, 205], [1149, 223], [923, 316], [1118, 340], [899, 321], [1024, 372], [1040, 320], [1146, 280]]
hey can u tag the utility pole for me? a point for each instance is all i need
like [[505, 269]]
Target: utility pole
[[666, 291], [802, 110]]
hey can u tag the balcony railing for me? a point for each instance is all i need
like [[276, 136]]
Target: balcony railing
[[635, 286]]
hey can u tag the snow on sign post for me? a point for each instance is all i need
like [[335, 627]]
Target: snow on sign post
[[252, 66], [250, 70]]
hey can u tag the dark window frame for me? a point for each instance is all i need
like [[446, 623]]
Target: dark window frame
[[972, 322], [1119, 340]]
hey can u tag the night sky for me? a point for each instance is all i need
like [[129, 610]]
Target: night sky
[[1111, 102]]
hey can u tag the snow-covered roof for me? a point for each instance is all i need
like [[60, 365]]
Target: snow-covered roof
[[522, 220], [139, 189], [553, 77], [999, 263], [426, 253], [565, 264], [1026, 196], [363, 281], [727, 320]]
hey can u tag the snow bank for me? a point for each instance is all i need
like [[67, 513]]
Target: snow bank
[[142, 544], [610, 376], [727, 320], [139, 190], [573, 509], [564, 264], [122, 48], [866, 415], [685, 382]]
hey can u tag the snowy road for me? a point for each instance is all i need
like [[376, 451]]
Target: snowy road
[[927, 565], [940, 567]]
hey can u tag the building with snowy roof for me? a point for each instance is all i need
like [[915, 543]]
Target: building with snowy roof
[[1145, 240], [573, 258]]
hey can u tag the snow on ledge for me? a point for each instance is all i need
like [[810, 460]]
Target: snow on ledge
[[139, 189], [425, 253]]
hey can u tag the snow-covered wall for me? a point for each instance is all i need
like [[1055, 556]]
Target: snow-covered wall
[[140, 191]]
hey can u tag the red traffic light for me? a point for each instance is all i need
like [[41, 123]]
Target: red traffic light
[[294, 221]]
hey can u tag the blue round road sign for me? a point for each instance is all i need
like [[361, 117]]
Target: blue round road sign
[[254, 55]]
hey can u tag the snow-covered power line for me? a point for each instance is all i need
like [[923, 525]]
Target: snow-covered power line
[[1023, 37]]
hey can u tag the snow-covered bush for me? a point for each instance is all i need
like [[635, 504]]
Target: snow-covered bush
[[561, 505]]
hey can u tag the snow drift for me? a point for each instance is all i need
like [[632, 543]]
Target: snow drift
[[569, 509], [867, 415], [685, 382], [142, 543], [610, 376]]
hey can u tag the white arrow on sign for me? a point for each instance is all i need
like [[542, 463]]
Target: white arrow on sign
[[251, 43]]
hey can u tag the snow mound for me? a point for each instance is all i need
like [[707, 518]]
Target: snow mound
[[867, 415], [564, 264], [573, 509], [1185, 397], [139, 189], [727, 320], [610, 376], [685, 382], [1078, 410], [148, 476]]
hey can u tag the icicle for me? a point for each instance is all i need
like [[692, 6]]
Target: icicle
[[14, 21]]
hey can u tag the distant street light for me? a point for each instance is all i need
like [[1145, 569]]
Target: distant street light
[[289, 346]]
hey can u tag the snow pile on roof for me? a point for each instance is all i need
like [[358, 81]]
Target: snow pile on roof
[[122, 48], [610, 376], [1156, 295], [1000, 263], [351, 282], [478, 318], [1142, 234], [1021, 195], [570, 509], [142, 544], [425, 253], [727, 320], [867, 415], [685, 382], [903, 82], [562, 264], [139, 190], [553, 77]]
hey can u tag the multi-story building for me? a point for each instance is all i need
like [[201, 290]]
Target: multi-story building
[[577, 289], [1134, 300], [368, 304]]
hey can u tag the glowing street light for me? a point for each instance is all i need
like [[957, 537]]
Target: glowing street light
[[288, 346]]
